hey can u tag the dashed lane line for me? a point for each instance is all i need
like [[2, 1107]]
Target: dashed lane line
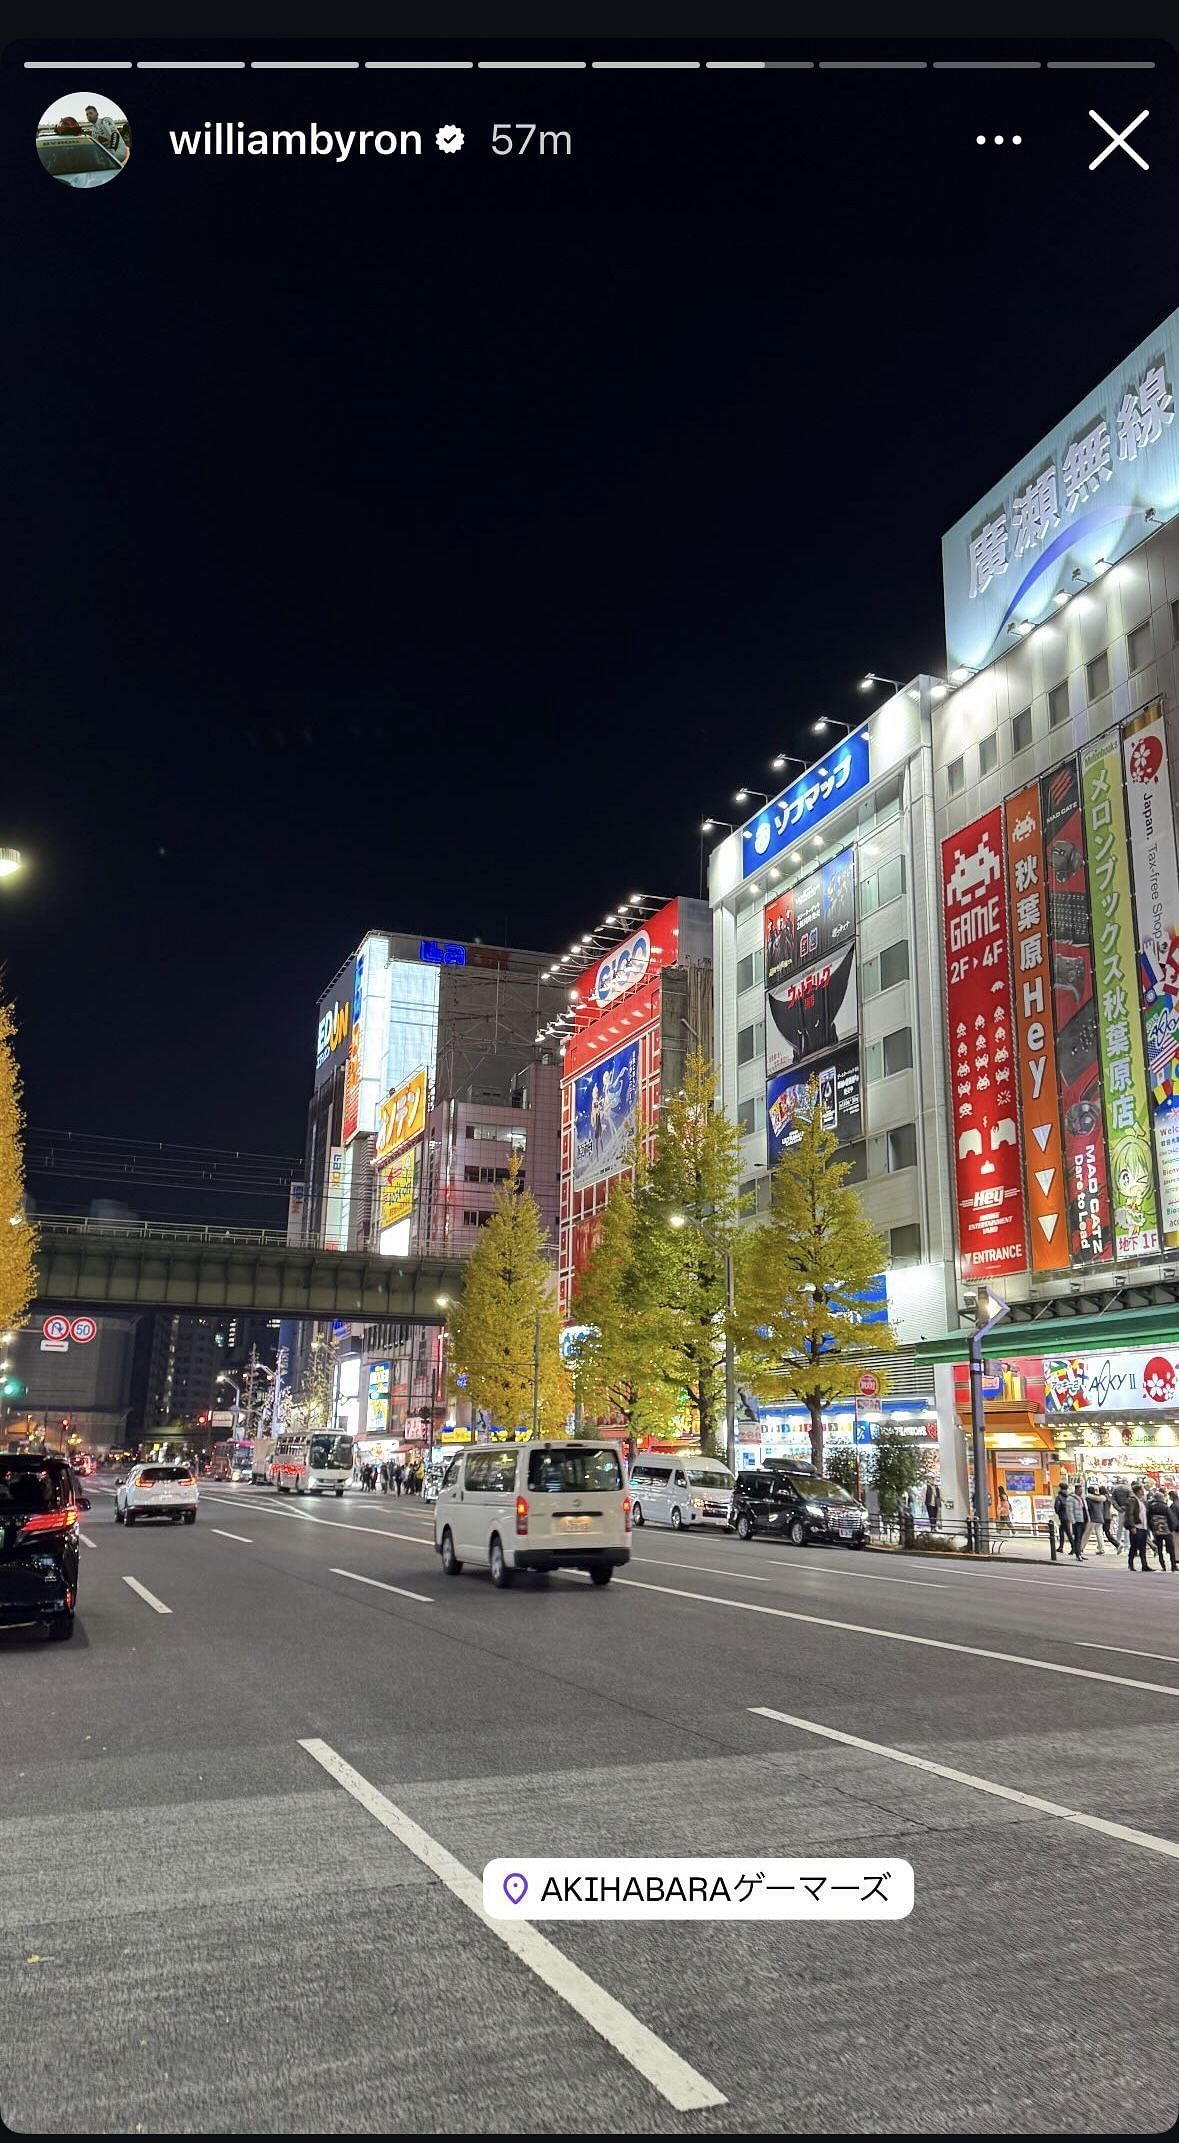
[[380, 1586], [144, 1594], [1121, 1831], [223, 1535], [665, 2070]]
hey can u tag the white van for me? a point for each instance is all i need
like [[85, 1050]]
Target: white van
[[681, 1490], [541, 1506]]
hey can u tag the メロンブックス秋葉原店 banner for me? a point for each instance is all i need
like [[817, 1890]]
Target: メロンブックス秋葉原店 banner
[[992, 1236], [1155, 871], [1115, 988]]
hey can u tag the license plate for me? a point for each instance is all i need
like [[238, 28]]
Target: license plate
[[846, 1524], [577, 1525]]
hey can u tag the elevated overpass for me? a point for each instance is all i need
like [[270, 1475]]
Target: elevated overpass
[[147, 1265]]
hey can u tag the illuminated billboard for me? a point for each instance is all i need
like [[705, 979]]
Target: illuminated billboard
[[1035, 1035], [810, 966], [1075, 1012], [333, 1027], [1155, 871], [992, 1237], [1119, 1025], [840, 1103], [400, 1117], [395, 1192], [605, 1117]]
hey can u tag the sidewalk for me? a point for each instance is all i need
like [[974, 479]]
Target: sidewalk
[[1015, 1548]]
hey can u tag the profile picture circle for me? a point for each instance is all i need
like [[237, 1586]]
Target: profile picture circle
[[84, 139]]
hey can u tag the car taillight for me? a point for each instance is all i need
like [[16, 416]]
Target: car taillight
[[626, 1513], [49, 1522], [521, 1514]]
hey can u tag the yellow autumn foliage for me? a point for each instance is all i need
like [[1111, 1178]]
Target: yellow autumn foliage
[[18, 1237]]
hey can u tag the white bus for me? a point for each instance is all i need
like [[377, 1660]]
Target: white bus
[[232, 1461], [309, 1464]]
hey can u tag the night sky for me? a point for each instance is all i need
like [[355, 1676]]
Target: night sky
[[430, 544]]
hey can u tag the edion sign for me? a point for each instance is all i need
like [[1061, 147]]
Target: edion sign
[[622, 970]]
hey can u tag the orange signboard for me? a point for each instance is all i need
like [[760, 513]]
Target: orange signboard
[[401, 1117], [1035, 1041]]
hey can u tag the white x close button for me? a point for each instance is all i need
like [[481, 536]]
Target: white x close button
[[1118, 140]]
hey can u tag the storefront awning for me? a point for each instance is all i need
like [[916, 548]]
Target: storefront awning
[[1156, 1326]]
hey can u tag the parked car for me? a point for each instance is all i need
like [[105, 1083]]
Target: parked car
[[39, 1512], [541, 1506], [681, 1490], [157, 1491], [798, 1507]]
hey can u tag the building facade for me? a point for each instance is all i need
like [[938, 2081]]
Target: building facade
[[1055, 757]]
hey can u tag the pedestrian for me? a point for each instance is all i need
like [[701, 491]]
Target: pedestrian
[[1060, 1506], [1120, 1497], [1108, 1513], [1095, 1503], [387, 1472], [1173, 1509], [1077, 1513], [1005, 1523], [1158, 1524], [400, 1477], [1136, 1525]]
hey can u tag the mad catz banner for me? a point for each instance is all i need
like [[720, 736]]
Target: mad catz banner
[[1115, 963], [1035, 1042], [992, 1237], [1156, 894], [1074, 1006]]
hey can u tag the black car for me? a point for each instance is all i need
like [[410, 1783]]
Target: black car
[[40, 1505], [798, 1507]]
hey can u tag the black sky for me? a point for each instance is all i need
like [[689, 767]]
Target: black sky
[[427, 545]]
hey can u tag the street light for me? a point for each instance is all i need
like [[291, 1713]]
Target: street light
[[743, 796], [824, 722], [785, 759], [11, 860], [680, 1220], [709, 825], [236, 1389], [874, 678]]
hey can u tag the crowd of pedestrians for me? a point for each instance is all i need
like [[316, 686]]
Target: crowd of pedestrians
[[392, 1476], [1128, 1515]]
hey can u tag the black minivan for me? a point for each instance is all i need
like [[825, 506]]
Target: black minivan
[[797, 1507], [40, 1506]]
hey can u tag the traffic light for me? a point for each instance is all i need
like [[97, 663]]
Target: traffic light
[[13, 1388]]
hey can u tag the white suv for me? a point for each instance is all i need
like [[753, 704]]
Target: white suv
[[160, 1491], [541, 1506]]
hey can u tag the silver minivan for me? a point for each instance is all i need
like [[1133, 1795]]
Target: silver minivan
[[681, 1490], [535, 1506]]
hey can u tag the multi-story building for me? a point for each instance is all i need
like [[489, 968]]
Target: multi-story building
[[825, 962], [73, 1379], [1054, 762], [177, 1360]]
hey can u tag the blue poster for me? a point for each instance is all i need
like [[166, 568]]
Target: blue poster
[[605, 1105]]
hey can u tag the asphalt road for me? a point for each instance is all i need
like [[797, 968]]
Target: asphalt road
[[203, 1932]]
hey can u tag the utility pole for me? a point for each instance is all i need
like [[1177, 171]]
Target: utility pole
[[730, 1366], [988, 1310], [536, 1378]]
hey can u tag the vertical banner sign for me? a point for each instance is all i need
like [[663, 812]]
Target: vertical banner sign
[[1156, 897], [1035, 1044], [1074, 1009], [989, 1193], [1115, 961]]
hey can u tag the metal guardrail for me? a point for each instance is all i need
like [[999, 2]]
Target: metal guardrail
[[160, 1231]]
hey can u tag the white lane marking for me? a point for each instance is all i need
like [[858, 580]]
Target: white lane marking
[[665, 1562], [875, 1577], [1122, 1831], [345, 1525], [934, 1644], [144, 1594], [85, 1539], [223, 1535], [1130, 1649], [682, 2087], [382, 1587]]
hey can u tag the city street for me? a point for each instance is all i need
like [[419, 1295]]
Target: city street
[[206, 1932]]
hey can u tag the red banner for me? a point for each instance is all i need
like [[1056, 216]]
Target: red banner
[[1074, 1008], [992, 1233]]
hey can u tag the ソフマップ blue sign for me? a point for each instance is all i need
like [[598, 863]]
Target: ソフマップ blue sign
[[794, 814]]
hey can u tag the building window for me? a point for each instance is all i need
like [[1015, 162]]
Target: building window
[[751, 1042], [1097, 676], [473, 1219], [749, 971], [1139, 647], [902, 1148], [873, 1062], [1021, 731], [898, 1051], [905, 1244], [988, 754], [856, 1159], [890, 880], [868, 895], [1058, 706], [751, 1114], [894, 964], [956, 777]]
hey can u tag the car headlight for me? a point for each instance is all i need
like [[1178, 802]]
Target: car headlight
[[816, 1509], [697, 1503]]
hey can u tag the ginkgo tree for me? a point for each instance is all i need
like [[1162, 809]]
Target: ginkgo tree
[[802, 1276], [18, 1239], [505, 1331]]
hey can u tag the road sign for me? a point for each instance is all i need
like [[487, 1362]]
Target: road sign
[[868, 1385], [56, 1328], [55, 1346], [83, 1330], [222, 1420]]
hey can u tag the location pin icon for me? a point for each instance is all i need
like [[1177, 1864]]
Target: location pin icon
[[515, 1888]]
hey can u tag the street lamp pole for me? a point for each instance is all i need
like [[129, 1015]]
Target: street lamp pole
[[536, 1378], [988, 1311]]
